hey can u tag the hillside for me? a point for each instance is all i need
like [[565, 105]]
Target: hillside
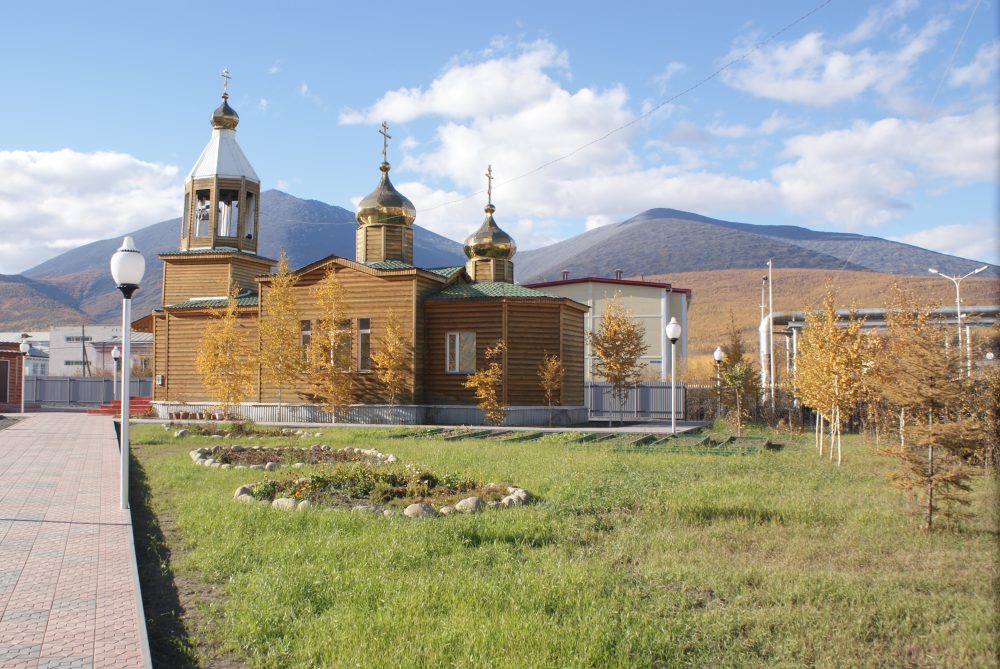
[[31, 305], [668, 240], [77, 284], [307, 229], [719, 291]]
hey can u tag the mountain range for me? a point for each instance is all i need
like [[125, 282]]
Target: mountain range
[[76, 286]]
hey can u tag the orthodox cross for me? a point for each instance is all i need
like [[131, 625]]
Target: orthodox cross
[[225, 81], [385, 139], [489, 184]]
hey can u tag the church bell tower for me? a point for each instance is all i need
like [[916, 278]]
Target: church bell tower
[[219, 225]]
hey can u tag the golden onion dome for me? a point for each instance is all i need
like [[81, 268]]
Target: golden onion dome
[[489, 241], [385, 205], [225, 117]]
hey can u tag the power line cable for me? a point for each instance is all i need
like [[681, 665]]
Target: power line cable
[[746, 54]]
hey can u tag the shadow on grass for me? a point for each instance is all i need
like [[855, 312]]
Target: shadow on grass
[[169, 643]]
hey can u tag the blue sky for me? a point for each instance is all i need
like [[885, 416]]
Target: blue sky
[[879, 118]]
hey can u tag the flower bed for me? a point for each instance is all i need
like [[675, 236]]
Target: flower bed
[[269, 458], [363, 487]]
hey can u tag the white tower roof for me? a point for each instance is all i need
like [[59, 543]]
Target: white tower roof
[[223, 157]]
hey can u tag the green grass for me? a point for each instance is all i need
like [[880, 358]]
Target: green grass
[[632, 559]]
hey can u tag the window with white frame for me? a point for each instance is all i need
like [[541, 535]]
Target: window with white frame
[[304, 336], [461, 353], [364, 345]]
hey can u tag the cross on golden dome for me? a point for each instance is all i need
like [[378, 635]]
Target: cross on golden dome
[[225, 81], [489, 184], [385, 139]]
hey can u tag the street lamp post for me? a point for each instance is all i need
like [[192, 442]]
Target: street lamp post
[[719, 356], [127, 268], [673, 334], [116, 355], [957, 280], [25, 348]]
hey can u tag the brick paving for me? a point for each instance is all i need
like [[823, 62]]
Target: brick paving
[[68, 593]]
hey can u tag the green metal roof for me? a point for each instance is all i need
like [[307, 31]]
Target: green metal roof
[[217, 249], [245, 299], [445, 271], [389, 264], [487, 289]]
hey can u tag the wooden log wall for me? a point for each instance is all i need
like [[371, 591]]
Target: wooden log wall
[[187, 279]]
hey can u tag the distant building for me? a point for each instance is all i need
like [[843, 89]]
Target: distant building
[[85, 350], [650, 303], [38, 355], [11, 361]]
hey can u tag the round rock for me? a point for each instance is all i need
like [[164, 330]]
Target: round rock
[[420, 511], [469, 505], [246, 499], [284, 503]]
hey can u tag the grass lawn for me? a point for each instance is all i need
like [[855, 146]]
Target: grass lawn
[[631, 559]]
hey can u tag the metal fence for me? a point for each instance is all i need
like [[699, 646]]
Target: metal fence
[[79, 390], [649, 400]]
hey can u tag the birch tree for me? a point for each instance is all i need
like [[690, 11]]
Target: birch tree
[[328, 376], [281, 360], [225, 358], [488, 384], [392, 359], [617, 345], [551, 374]]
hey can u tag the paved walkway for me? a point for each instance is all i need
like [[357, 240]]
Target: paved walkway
[[69, 595]]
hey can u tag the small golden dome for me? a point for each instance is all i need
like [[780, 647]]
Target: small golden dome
[[489, 241], [385, 205], [225, 117]]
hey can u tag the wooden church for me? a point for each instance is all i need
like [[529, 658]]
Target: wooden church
[[451, 315]]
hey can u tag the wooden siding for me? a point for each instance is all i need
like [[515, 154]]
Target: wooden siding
[[532, 331], [572, 355], [484, 317], [200, 278], [181, 334], [244, 271], [367, 296]]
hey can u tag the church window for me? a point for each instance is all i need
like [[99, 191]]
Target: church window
[[305, 336], [461, 353], [251, 214], [229, 208], [201, 212], [364, 345], [340, 351]]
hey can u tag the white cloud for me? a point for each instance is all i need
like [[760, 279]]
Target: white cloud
[[978, 241], [672, 69], [61, 199], [491, 87], [981, 70], [812, 71], [877, 18], [304, 89], [543, 123], [860, 176], [262, 104], [595, 221], [275, 68]]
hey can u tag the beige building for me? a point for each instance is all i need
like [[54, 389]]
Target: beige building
[[651, 303]]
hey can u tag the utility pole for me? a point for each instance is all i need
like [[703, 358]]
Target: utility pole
[[770, 325]]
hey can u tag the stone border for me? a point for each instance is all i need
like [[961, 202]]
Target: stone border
[[203, 456], [474, 504]]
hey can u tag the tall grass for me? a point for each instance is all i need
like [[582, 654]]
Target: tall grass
[[629, 560]]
